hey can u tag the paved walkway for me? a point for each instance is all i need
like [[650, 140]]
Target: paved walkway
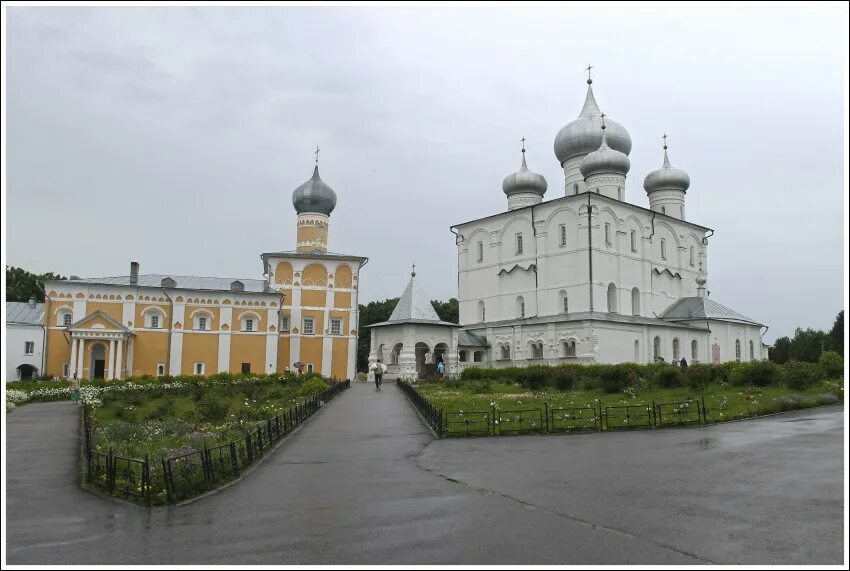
[[353, 486]]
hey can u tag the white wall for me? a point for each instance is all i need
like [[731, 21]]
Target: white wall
[[15, 338]]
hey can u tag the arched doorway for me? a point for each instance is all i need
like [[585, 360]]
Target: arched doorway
[[440, 352], [422, 352], [27, 372], [395, 354], [97, 366]]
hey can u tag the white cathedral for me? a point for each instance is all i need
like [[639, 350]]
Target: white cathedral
[[585, 277]]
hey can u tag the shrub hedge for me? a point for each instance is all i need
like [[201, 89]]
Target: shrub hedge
[[615, 378]]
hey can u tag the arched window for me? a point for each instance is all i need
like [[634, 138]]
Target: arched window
[[251, 322], [656, 348], [519, 243], [612, 298], [395, 353], [676, 349], [737, 349], [575, 189], [663, 249], [562, 235], [536, 350], [461, 355], [482, 315], [691, 257], [506, 351], [637, 351], [478, 356], [520, 307], [620, 193], [310, 368], [752, 351], [154, 317], [64, 317], [694, 350], [565, 306], [663, 210], [201, 321], [635, 301], [569, 348]]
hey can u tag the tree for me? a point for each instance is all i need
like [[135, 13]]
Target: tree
[[836, 335], [808, 344], [21, 285], [447, 310], [373, 312], [781, 350]]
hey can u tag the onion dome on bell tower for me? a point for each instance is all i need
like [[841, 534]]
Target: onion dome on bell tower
[[582, 136], [666, 188], [313, 201], [605, 169], [524, 187]]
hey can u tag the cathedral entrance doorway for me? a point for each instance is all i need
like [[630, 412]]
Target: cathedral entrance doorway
[[98, 361]]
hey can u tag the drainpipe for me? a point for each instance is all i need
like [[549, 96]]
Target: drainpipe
[[766, 327], [44, 324], [536, 285], [651, 234], [457, 242], [170, 329]]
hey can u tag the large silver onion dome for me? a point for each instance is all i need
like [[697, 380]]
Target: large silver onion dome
[[524, 180], [314, 196], [605, 159], [666, 178], [583, 135]]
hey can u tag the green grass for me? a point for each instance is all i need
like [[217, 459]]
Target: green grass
[[722, 402]]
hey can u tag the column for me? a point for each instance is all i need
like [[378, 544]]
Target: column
[[74, 348], [80, 358], [119, 359], [130, 345], [110, 362]]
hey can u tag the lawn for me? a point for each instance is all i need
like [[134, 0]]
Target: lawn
[[722, 401]]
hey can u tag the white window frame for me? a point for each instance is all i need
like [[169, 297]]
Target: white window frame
[[480, 251], [752, 351], [160, 369], [248, 324], [633, 239], [737, 349], [691, 259], [154, 321], [505, 352], [64, 317], [562, 235], [336, 326], [311, 330], [202, 323], [607, 233], [199, 365], [29, 347], [518, 243], [284, 323]]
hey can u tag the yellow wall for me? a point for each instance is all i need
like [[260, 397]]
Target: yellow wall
[[201, 348], [140, 322], [342, 299], [259, 324], [283, 354], [318, 321], [339, 360], [283, 273], [113, 310], [58, 351], [314, 274], [343, 277], [313, 298], [248, 349], [190, 321], [149, 349], [311, 352], [54, 307]]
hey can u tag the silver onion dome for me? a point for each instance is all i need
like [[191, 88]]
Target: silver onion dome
[[583, 135], [666, 178], [314, 196], [605, 159], [524, 180]]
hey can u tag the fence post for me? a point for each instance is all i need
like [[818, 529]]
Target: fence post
[[146, 479], [655, 414], [110, 472], [260, 439], [495, 423], [233, 462], [249, 447], [166, 479], [704, 412]]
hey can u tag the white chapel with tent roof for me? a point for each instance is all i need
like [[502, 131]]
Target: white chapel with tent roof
[[585, 277]]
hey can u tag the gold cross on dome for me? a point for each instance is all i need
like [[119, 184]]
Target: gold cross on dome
[[588, 68]]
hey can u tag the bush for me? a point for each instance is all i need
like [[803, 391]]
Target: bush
[[613, 379], [565, 379], [832, 365], [312, 387], [669, 377], [473, 374], [163, 410], [533, 378], [759, 374], [699, 376], [212, 408], [127, 414], [798, 375], [481, 387]]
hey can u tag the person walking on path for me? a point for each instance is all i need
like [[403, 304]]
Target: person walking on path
[[441, 369], [379, 370], [683, 363]]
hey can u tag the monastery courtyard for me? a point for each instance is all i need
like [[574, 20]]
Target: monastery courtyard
[[364, 482]]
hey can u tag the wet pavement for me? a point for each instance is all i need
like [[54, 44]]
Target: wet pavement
[[362, 482]]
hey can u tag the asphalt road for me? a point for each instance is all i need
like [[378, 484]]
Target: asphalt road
[[363, 483]]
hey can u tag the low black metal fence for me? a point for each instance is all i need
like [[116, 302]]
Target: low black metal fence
[[186, 475], [589, 418]]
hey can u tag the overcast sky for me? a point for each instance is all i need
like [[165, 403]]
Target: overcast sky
[[175, 136]]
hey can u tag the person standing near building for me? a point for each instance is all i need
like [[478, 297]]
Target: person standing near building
[[441, 369], [378, 371]]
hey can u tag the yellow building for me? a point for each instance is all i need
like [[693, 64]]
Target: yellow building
[[303, 313]]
